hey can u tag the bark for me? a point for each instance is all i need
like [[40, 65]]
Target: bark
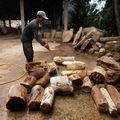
[[36, 97], [99, 99], [17, 98], [117, 16]]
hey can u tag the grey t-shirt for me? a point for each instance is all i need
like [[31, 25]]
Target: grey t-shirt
[[32, 31]]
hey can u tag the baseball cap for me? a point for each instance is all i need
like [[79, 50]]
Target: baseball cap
[[42, 13]]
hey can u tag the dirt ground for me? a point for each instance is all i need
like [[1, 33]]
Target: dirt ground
[[78, 107]]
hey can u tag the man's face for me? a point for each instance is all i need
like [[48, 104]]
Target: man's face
[[40, 20]]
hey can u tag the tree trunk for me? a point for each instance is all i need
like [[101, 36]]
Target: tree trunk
[[87, 85], [117, 16]]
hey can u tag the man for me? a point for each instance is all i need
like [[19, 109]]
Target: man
[[32, 30]]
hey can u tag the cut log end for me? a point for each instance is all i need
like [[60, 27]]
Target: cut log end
[[46, 108], [16, 104]]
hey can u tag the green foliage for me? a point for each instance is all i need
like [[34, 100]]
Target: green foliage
[[114, 49]]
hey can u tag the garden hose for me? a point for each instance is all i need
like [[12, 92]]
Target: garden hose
[[18, 66]]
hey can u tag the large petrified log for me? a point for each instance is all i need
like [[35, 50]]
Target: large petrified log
[[115, 95], [44, 80], [99, 99], [59, 60], [112, 108], [62, 85], [82, 73], [17, 98], [38, 73], [33, 66], [67, 35], [74, 65], [77, 36], [36, 97], [28, 82], [87, 85], [108, 62], [98, 75], [88, 35], [47, 100], [107, 39]]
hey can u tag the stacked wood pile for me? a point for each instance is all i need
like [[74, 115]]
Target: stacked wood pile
[[87, 40], [39, 88]]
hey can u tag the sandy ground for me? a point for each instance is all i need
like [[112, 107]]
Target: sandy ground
[[78, 107]]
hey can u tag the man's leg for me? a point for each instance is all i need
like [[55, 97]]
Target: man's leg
[[28, 50]]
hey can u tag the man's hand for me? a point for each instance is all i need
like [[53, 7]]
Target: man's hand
[[47, 45]]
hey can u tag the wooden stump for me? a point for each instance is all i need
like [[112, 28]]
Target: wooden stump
[[112, 108], [99, 99], [115, 95], [98, 75], [44, 80], [87, 85], [36, 97], [47, 100], [16, 99], [29, 82], [62, 85]]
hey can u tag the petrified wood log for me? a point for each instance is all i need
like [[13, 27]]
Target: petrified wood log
[[47, 100], [99, 99], [112, 108], [108, 62], [76, 80], [33, 66], [17, 98], [44, 80], [62, 85], [59, 60], [67, 35], [38, 73], [87, 85], [98, 75], [82, 73], [77, 36], [52, 68], [115, 95], [36, 97], [74, 65], [28, 82]]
